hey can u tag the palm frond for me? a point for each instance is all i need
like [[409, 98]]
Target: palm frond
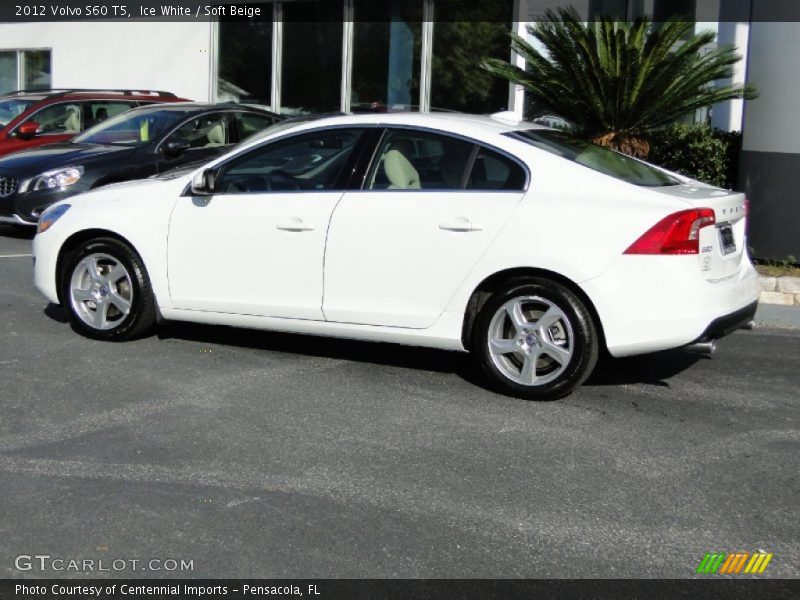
[[620, 78]]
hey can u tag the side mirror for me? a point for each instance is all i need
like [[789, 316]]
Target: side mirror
[[28, 130], [175, 148], [204, 182]]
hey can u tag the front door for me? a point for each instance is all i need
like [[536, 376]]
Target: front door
[[257, 246]]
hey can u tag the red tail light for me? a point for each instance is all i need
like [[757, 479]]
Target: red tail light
[[678, 233]]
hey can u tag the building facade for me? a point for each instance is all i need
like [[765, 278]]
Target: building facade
[[339, 55]]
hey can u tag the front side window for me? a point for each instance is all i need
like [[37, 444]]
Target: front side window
[[205, 131], [608, 162], [312, 161], [412, 160], [59, 119]]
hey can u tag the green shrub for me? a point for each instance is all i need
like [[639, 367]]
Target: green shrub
[[698, 151]]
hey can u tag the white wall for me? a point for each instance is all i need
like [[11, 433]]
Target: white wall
[[173, 56]]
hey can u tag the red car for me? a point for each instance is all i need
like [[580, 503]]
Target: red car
[[29, 118]]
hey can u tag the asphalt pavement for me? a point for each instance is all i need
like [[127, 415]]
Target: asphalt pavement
[[253, 454]]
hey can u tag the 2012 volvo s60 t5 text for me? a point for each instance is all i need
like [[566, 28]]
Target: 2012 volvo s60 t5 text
[[527, 248]]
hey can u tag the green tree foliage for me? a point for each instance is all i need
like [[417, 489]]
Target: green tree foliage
[[699, 152], [616, 81]]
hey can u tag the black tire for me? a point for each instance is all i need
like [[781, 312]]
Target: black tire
[[536, 295], [141, 315]]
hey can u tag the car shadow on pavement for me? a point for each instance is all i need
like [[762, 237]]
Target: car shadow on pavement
[[379, 353], [20, 233], [648, 369]]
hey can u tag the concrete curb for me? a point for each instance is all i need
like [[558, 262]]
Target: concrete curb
[[780, 290]]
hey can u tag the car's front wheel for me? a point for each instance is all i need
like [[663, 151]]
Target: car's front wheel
[[535, 339], [106, 291]]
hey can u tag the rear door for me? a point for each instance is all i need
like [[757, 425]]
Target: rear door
[[432, 205]]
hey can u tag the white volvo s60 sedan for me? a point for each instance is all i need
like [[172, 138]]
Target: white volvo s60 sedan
[[529, 249]]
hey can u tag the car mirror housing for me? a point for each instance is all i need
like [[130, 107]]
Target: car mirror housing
[[28, 130], [176, 147], [204, 182]]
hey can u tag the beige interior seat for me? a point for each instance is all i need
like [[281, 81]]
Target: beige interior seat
[[400, 172], [72, 123], [216, 135]]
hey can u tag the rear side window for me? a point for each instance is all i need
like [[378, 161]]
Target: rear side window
[[99, 110], [418, 160], [596, 157], [493, 171]]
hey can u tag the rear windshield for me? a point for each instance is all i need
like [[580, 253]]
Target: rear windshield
[[596, 157], [9, 109]]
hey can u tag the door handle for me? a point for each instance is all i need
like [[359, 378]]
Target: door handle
[[460, 224], [294, 224]]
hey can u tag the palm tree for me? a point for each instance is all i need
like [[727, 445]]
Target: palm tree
[[616, 81]]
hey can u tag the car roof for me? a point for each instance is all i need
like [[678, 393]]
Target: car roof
[[199, 107], [40, 95], [457, 123]]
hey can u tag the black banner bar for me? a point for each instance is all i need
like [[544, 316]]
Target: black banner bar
[[40, 11], [396, 589]]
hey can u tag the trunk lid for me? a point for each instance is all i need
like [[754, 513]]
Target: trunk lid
[[721, 245]]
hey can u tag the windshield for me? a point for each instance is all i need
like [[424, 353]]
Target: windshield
[[595, 157], [132, 128], [12, 108]]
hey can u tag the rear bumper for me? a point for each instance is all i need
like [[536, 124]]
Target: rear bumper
[[651, 303], [727, 324]]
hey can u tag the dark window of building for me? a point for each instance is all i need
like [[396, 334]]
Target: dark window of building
[[616, 9], [463, 34], [387, 40], [244, 71], [8, 72], [663, 10], [34, 74], [311, 77], [36, 69]]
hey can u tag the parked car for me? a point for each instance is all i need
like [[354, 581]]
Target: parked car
[[515, 242], [30, 118], [132, 145]]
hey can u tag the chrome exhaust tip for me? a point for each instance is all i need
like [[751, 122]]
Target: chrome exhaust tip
[[704, 348], [749, 326]]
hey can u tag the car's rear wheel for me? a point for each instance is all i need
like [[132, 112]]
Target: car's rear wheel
[[107, 292], [535, 339]]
